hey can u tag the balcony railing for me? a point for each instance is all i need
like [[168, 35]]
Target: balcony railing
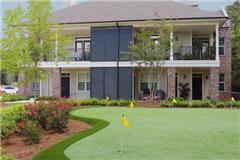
[[76, 55], [194, 53]]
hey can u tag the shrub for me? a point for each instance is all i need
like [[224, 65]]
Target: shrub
[[123, 103], [220, 104], [73, 102], [46, 98], [9, 119], [32, 133], [166, 104], [182, 104], [113, 103], [176, 98], [90, 101], [103, 102], [53, 115], [12, 97], [195, 104], [8, 128]]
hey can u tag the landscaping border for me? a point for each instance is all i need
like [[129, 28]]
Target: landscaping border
[[56, 152]]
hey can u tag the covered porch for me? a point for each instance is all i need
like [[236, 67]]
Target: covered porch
[[199, 80]]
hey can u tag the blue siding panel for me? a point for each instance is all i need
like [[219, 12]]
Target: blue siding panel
[[125, 83], [97, 80]]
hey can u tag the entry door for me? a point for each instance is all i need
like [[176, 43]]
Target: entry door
[[197, 86], [65, 85]]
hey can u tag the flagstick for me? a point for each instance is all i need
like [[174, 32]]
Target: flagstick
[[231, 104], [121, 147]]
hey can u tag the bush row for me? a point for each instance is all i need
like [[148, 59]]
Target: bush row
[[13, 97], [87, 102], [199, 104]]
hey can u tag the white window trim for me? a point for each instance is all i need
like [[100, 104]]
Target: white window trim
[[85, 82], [222, 46], [222, 82]]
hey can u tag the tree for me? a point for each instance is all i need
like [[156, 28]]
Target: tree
[[29, 38], [234, 12], [152, 52]]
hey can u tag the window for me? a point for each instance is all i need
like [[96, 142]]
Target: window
[[221, 46], [82, 46], [221, 82], [146, 82], [83, 81]]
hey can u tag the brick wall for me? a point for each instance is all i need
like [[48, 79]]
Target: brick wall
[[171, 82], [56, 82], [214, 83], [225, 63]]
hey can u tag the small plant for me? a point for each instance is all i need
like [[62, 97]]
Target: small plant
[[188, 56], [46, 98], [32, 133], [220, 104], [123, 103], [182, 104], [184, 90], [166, 104], [113, 103]]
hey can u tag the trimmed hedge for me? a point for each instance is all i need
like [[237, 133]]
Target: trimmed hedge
[[13, 97], [199, 104]]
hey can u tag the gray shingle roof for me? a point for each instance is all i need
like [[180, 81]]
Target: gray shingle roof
[[107, 11]]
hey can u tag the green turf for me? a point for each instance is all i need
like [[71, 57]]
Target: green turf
[[168, 134]]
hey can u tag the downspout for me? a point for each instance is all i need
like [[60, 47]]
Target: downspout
[[118, 61]]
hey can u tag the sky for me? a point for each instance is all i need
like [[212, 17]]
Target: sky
[[59, 4]]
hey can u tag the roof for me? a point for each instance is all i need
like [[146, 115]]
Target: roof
[[111, 11]]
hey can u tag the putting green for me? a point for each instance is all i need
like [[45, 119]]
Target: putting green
[[166, 134]]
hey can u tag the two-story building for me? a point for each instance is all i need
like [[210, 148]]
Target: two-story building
[[101, 33]]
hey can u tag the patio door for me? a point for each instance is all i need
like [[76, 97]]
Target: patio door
[[65, 85], [197, 86]]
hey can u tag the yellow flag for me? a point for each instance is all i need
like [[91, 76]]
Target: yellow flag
[[233, 99], [174, 100], [125, 122], [131, 105]]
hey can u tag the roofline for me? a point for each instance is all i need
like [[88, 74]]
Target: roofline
[[204, 18]]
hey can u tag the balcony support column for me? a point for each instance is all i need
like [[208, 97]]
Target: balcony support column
[[56, 46], [171, 46], [217, 41]]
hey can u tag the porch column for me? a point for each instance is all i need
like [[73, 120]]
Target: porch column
[[171, 82], [56, 82], [56, 46], [23, 89], [171, 46], [214, 83], [217, 41]]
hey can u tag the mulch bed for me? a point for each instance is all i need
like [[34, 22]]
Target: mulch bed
[[17, 148], [148, 104]]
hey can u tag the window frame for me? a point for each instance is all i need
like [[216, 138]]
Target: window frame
[[222, 82], [221, 46], [86, 81]]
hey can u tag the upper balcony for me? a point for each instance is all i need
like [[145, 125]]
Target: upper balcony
[[199, 47]]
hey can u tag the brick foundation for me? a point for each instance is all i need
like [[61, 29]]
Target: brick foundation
[[171, 82], [56, 82]]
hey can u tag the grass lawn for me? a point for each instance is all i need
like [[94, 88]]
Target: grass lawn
[[168, 134]]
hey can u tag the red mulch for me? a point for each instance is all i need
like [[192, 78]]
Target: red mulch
[[22, 151], [148, 104]]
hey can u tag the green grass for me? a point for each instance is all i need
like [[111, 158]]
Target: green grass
[[168, 134]]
